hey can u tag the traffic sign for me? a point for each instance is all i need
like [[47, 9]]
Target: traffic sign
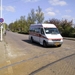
[[1, 20]]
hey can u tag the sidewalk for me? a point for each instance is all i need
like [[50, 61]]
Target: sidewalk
[[2, 51], [2, 47]]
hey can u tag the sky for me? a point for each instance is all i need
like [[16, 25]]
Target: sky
[[12, 10]]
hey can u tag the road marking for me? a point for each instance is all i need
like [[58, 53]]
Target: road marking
[[10, 70]]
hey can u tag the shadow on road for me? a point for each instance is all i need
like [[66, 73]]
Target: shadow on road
[[37, 44], [34, 43]]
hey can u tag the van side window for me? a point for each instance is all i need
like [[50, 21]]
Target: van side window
[[37, 30], [31, 30], [42, 32]]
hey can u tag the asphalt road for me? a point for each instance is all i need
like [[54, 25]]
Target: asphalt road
[[25, 58]]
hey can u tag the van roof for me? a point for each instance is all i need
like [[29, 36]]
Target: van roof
[[44, 25]]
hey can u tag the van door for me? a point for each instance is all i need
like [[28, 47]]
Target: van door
[[37, 32], [41, 36]]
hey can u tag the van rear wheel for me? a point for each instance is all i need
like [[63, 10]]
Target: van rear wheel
[[32, 40], [44, 44]]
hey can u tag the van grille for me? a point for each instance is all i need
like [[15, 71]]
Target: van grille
[[56, 39]]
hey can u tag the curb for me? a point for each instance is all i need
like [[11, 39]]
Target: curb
[[69, 38]]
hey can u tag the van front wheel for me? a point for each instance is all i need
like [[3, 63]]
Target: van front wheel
[[59, 45], [44, 44]]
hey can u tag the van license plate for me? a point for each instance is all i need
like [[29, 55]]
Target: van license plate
[[57, 43]]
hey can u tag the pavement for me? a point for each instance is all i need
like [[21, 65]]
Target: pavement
[[2, 51], [2, 57], [4, 60], [8, 68], [2, 47]]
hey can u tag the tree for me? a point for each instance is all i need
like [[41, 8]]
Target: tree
[[67, 27], [33, 16], [55, 22], [5, 26], [10, 26], [64, 26], [39, 15], [46, 21]]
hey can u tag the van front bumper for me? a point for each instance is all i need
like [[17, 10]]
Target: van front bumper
[[54, 43]]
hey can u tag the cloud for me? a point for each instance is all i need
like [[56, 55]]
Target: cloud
[[49, 9], [30, 0], [2, 8], [57, 11], [68, 11], [9, 8], [68, 17], [57, 2], [51, 13]]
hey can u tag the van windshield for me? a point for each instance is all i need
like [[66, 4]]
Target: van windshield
[[51, 31]]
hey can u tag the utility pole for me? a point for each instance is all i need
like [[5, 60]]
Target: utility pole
[[1, 23]]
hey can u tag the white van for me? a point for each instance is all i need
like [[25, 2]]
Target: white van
[[45, 34]]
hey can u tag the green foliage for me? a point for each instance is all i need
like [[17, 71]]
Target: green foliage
[[32, 16], [11, 26], [64, 26], [5, 26], [22, 25], [39, 15]]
